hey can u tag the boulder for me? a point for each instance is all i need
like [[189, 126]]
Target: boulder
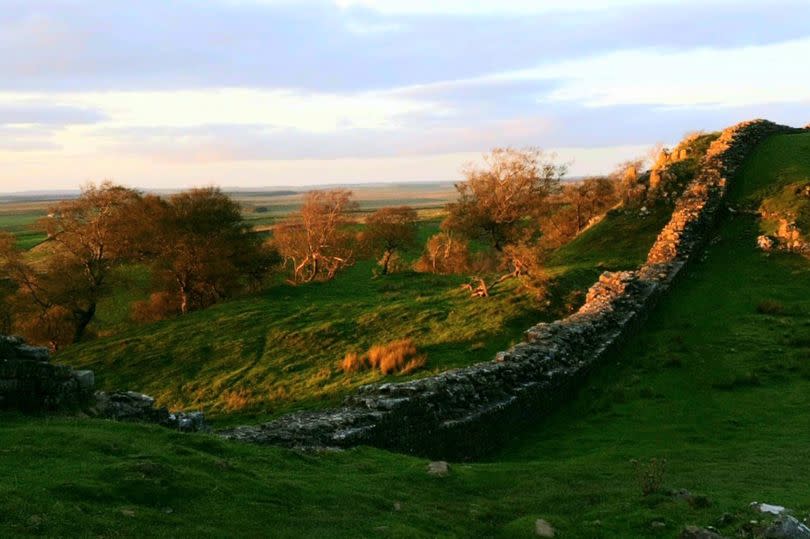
[[438, 468], [787, 527], [543, 529], [766, 243]]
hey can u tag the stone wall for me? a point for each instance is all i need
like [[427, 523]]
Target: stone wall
[[30, 382], [465, 412]]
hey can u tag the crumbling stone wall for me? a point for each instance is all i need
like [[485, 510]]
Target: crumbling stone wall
[[463, 412], [30, 382]]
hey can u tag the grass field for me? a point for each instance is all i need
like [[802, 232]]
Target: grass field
[[253, 358], [715, 384], [20, 222]]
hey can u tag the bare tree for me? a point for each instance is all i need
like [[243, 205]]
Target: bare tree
[[315, 241], [444, 254], [502, 204]]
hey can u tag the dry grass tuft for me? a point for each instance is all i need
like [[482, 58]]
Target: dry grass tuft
[[354, 362], [400, 356], [237, 399]]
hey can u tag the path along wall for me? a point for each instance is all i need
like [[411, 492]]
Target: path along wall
[[464, 412]]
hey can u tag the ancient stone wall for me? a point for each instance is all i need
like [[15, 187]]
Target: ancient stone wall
[[30, 382], [463, 412]]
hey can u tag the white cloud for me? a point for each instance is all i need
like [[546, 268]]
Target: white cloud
[[277, 108], [700, 77], [504, 7]]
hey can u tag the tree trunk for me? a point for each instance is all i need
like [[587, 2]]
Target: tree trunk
[[83, 318], [183, 301], [385, 261]]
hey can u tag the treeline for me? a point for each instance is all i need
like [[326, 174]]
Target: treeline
[[510, 213], [198, 248]]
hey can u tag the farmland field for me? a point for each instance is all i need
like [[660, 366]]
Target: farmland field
[[20, 222]]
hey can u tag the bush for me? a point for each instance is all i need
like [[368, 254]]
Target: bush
[[400, 356]]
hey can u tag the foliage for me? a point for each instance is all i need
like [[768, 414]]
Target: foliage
[[791, 203], [500, 203], [389, 231], [57, 299], [315, 241], [445, 254], [579, 205], [201, 252]]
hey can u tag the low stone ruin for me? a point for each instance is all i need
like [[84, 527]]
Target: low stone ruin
[[31, 383], [133, 406], [464, 412]]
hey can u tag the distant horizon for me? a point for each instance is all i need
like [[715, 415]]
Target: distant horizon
[[234, 189]]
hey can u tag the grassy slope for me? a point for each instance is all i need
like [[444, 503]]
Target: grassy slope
[[279, 350], [711, 385]]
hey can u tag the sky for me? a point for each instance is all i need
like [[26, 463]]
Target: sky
[[262, 93]]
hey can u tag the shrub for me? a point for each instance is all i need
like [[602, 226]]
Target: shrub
[[399, 356], [770, 306]]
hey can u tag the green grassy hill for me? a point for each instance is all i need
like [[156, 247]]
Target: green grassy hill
[[717, 384], [262, 355]]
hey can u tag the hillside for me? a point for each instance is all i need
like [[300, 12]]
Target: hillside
[[253, 358], [716, 384]]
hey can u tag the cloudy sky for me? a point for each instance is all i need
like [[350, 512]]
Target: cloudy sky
[[173, 93]]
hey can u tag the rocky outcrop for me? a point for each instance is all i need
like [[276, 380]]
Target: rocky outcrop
[[30, 382], [463, 412], [787, 237]]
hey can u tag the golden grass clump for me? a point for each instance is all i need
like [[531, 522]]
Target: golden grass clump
[[353, 362], [238, 399], [399, 356]]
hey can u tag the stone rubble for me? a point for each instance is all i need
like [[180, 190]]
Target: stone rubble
[[133, 406], [463, 412]]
